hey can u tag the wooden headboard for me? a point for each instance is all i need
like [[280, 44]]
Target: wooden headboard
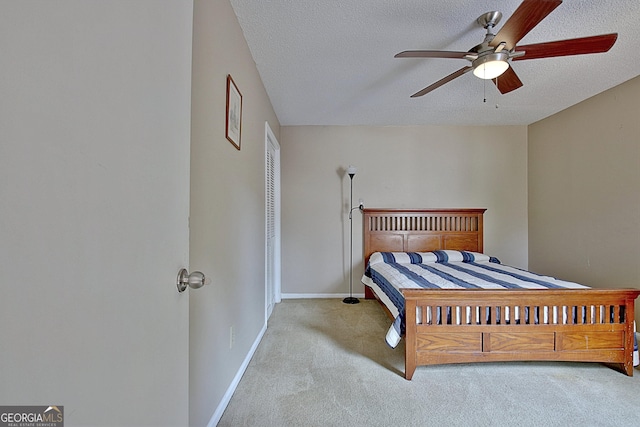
[[421, 230]]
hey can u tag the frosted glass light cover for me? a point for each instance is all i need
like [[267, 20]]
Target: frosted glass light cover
[[489, 66]]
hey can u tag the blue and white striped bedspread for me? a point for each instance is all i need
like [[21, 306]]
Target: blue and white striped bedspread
[[388, 272]]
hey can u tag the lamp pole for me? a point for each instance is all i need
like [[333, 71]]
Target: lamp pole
[[351, 170]]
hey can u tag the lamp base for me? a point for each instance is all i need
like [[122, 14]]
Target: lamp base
[[351, 300]]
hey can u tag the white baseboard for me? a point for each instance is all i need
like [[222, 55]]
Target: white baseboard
[[215, 419], [310, 296]]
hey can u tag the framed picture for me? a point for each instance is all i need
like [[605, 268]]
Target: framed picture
[[234, 112]]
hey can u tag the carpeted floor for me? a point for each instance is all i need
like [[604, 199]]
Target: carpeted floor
[[325, 363]]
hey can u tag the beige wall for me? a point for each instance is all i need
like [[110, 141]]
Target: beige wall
[[227, 209], [584, 190], [429, 166]]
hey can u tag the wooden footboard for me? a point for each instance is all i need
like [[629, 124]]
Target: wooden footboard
[[461, 326]]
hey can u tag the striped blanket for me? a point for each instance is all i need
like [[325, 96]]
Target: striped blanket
[[388, 272]]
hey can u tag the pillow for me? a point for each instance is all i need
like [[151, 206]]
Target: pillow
[[429, 257]]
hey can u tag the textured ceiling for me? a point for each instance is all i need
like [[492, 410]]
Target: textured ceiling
[[330, 62]]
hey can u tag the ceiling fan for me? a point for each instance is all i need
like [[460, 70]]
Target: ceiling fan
[[490, 59]]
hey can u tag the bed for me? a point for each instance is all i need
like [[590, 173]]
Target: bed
[[443, 326]]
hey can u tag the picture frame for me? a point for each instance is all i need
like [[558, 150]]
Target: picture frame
[[233, 127]]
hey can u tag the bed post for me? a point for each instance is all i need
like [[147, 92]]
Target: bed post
[[410, 338], [629, 333]]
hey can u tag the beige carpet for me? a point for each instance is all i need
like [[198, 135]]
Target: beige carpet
[[325, 363]]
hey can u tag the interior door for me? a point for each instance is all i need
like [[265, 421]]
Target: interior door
[[94, 179], [272, 180]]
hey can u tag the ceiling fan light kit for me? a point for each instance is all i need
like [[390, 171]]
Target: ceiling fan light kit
[[490, 58], [490, 66]]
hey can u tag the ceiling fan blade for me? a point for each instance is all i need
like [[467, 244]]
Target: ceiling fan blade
[[507, 81], [442, 81], [579, 46], [529, 14], [431, 54]]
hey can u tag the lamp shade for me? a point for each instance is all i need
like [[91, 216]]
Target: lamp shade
[[491, 65], [351, 170]]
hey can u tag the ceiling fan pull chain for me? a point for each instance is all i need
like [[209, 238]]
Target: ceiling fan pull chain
[[496, 82], [484, 90]]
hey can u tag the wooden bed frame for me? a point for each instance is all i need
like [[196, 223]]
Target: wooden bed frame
[[604, 335]]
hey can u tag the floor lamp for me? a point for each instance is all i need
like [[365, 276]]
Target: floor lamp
[[351, 170]]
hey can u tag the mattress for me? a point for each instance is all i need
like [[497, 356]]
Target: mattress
[[388, 272]]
